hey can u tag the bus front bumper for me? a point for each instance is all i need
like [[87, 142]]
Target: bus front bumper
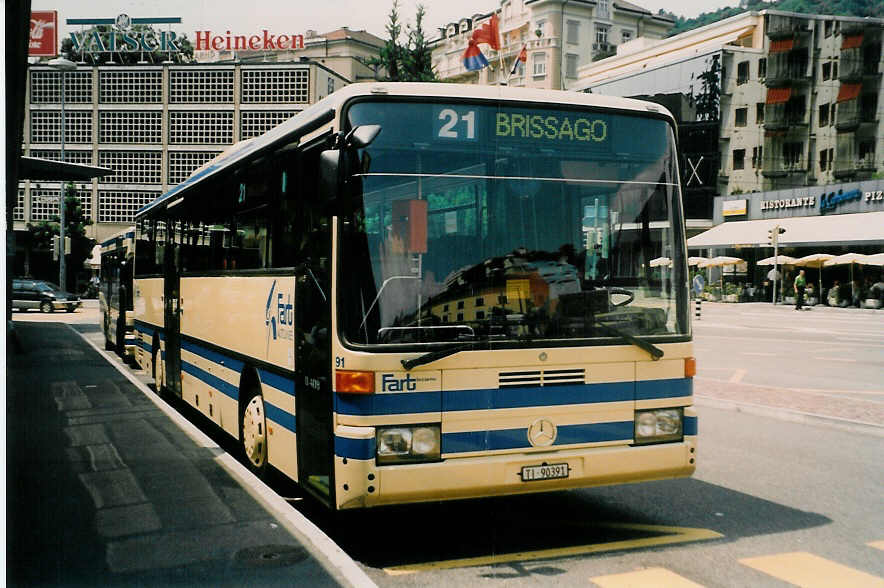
[[361, 483]]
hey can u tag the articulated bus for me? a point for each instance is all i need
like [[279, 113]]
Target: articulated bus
[[415, 292], [115, 293]]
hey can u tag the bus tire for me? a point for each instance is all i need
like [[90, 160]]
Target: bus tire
[[253, 430]]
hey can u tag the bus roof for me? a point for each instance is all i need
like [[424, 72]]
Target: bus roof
[[326, 110]]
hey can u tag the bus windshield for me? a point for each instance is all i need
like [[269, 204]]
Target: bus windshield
[[512, 223]]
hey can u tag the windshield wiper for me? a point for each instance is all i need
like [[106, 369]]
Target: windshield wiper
[[654, 351], [442, 353]]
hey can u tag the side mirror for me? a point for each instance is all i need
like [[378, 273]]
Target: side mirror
[[329, 170], [362, 136]]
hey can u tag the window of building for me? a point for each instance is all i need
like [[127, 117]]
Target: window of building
[[827, 70], [742, 72], [625, 36], [603, 9], [184, 163], [460, 317], [275, 85], [130, 86], [194, 127], [739, 158], [757, 154], [121, 126], [571, 65], [46, 126], [867, 151], [460, 304], [824, 115], [132, 167], [119, 206], [480, 301], [331, 86], [828, 26], [541, 26], [740, 117], [187, 86], [601, 36], [46, 87], [573, 32], [18, 213], [792, 154], [834, 70], [824, 160], [759, 113], [762, 68], [539, 64], [257, 122]]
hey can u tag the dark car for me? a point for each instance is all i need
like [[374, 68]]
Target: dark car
[[46, 296]]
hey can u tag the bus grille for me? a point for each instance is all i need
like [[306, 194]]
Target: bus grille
[[541, 378]]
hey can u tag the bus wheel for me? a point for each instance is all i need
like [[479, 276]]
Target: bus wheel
[[253, 432]]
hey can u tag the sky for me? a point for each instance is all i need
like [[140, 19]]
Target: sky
[[296, 16]]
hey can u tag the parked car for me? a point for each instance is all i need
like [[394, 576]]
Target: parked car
[[46, 296]]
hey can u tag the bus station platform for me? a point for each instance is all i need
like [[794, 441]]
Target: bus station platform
[[104, 487]]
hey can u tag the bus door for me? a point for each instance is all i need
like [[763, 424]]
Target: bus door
[[313, 399], [172, 309]]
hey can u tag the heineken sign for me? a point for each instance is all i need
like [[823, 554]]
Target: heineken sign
[[120, 35]]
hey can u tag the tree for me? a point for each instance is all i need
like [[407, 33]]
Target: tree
[[710, 91], [390, 55], [124, 54], [418, 58], [41, 235]]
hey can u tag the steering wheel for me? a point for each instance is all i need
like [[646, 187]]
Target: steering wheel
[[623, 292]]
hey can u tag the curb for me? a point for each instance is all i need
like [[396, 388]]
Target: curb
[[795, 416]]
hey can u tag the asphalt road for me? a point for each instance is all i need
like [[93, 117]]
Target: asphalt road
[[773, 503]]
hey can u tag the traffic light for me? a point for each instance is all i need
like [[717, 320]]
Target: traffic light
[[774, 234]]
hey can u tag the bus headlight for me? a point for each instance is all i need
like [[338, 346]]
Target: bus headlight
[[409, 444], [658, 425]]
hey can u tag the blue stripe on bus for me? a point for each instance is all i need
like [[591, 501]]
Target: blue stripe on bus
[[213, 356], [537, 396], [382, 404], [281, 383], [518, 438], [674, 388], [215, 382], [280, 416], [355, 448], [690, 425]]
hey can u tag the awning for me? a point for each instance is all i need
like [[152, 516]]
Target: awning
[[781, 45], [848, 92], [839, 229], [852, 41], [35, 168], [778, 95]]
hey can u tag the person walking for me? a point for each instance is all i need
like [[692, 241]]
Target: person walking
[[799, 285]]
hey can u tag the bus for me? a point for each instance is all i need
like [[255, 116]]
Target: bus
[[115, 293], [414, 292]]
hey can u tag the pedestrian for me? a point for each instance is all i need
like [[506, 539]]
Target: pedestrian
[[799, 285]]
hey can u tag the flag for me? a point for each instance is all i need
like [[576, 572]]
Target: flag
[[473, 59], [522, 58], [488, 33]]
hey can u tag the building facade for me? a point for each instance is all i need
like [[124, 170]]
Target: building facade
[[153, 125], [559, 37], [777, 101]]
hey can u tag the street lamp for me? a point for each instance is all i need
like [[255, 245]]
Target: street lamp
[[63, 65]]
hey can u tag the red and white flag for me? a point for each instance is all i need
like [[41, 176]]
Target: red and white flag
[[522, 58]]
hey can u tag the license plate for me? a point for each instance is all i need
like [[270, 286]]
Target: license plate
[[544, 472]]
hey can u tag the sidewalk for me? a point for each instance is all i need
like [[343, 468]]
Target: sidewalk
[[103, 488]]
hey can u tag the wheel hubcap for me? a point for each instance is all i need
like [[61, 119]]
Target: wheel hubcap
[[253, 432]]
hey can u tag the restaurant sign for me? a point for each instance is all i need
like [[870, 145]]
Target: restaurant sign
[[118, 34], [788, 203]]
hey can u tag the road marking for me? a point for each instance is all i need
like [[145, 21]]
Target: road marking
[[837, 359], [761, 353], [738, 376], [303, 529], [649, 578], [809, 571], [675, 535], [876, 544]]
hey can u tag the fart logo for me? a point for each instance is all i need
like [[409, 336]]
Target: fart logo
[[279, 315], [390, 383]]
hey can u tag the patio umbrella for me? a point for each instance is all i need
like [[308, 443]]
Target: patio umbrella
[[696, 260], [660, 261], [721, 261], [876, 259], [816, 260], [780, 260], [847, 258]]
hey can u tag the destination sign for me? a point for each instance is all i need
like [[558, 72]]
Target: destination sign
[[560, 126]]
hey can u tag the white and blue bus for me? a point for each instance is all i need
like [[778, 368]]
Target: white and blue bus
[[414, 292], [115, 293]]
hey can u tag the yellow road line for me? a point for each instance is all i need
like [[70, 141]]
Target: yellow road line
[[809, 571], [876, 544], [649, 578], [675, 535]]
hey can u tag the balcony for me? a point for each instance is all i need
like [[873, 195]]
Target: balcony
[[780, 169], [783, 27]]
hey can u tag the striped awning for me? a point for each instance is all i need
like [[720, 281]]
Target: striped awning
[[781, 45], [852, 41], [778, 95], [848, 92]]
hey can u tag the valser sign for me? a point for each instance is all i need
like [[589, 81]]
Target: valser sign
[[120, 36]]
